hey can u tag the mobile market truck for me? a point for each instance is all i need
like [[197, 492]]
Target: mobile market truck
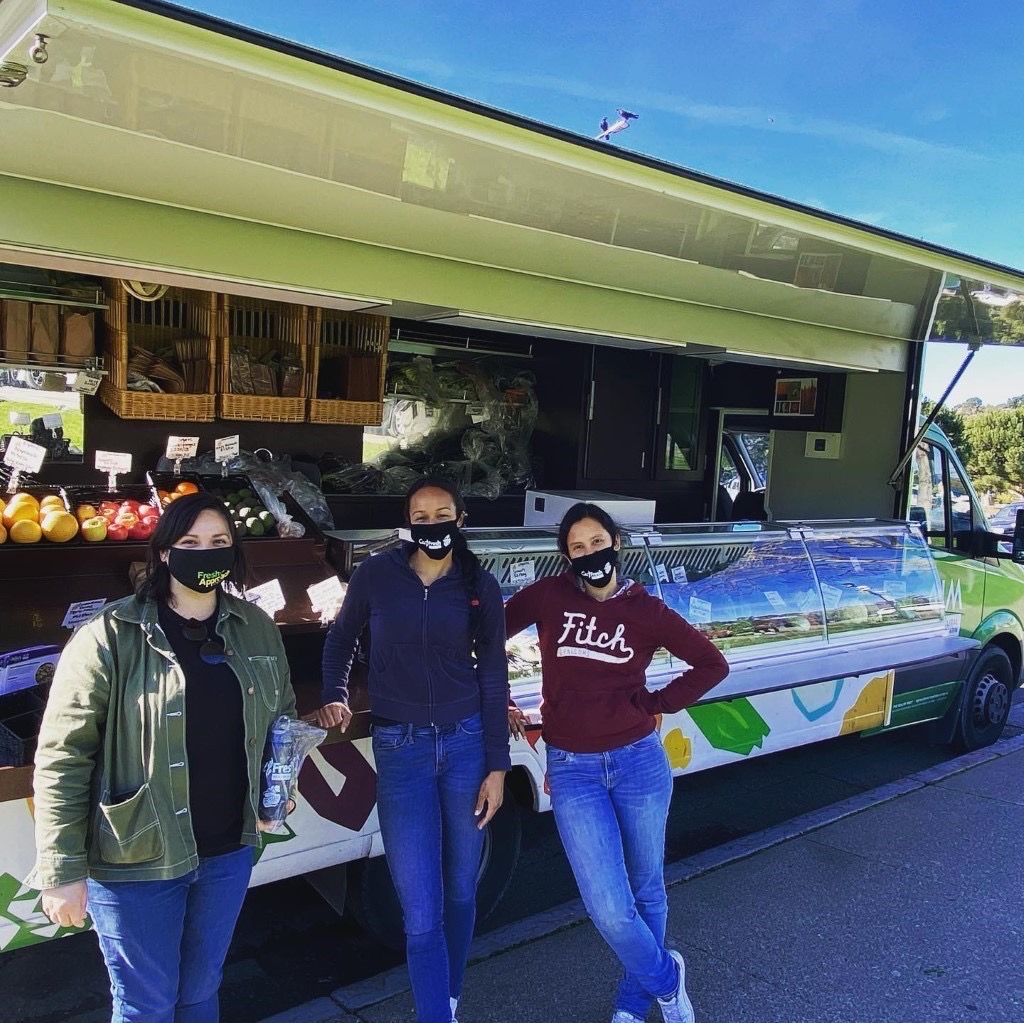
[[236, 240]]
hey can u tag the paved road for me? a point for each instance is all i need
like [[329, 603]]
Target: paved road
[[290, 947], [58, 399]]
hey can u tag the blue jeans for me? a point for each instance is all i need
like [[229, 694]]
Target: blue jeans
[[428, 780], [611, 809], [164, 942]]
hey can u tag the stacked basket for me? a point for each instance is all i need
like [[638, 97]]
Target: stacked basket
[[263, 360], [172, 342], [348, 368]]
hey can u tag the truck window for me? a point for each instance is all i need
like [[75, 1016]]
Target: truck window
[[928, 494], [960, 504]]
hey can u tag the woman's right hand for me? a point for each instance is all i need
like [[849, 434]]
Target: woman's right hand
[[66, 904], [331, 714]]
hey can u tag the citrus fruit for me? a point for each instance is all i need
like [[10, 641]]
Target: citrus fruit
[[186, 487], [22, 498], [20, 511], [26, 531], [3, 535], [51, 499], [59, 526]]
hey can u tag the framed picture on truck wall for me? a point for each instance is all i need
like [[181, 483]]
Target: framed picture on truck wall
[[796, 396]]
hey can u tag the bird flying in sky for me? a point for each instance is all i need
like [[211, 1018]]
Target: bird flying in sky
[[607, 131]]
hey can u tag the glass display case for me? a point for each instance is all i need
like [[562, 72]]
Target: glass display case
[[788, 603]]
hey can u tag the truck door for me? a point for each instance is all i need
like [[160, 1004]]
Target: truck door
[[941, 502]]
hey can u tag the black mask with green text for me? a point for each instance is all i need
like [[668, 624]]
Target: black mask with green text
[[200, 570]]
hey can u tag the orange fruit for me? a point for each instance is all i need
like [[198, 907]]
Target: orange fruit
[[3, 504], [59, 526], [22, 498], [3, 535], [186, 487], [50, 503], [26, 531], [20, 511]]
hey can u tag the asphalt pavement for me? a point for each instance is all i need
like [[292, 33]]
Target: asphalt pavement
[[904, 904]]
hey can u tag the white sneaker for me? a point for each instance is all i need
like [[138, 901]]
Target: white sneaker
[[677, 1008], [621, 1016], [455, 1005]]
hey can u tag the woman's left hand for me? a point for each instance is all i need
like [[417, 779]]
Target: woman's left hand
[[271, 825], [492, 792]]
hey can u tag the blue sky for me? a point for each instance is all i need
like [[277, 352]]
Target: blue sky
[[902, 113]]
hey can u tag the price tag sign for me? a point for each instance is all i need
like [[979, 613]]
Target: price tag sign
[[522, 573], [81, 611], [225, 448], [87, 381], [179, 448], [115, 463], [24, 456], [700, 611], [661, 571], [54, 421], [268, 596], [326, 595], [679, 575]]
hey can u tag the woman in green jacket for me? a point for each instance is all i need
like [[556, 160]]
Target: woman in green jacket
[[147, 771]]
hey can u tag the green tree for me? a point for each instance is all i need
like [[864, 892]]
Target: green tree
[[996, 439], [952, 425]]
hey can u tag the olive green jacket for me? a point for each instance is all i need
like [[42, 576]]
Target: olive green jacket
[[115, 724]]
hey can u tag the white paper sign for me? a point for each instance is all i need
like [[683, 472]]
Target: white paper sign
[[81, 611], [23, 455], [53, 421], [700, 611], [87, 382], [655, 539], [522, 573], [267, 596], [179, 448], [661, 572], [953, 624], [326, 594], [679, 575], [116, 462], [832, 594], [225, 448], [636, 539], [775, 599]]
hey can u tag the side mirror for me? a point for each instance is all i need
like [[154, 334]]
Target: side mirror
[[1017, 552]]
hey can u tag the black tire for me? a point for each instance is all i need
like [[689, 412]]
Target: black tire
[[985, 704], [373, 902]]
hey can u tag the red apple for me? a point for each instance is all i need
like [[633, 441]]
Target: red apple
[[129, 506], [116, 531], [95, 529], [142, 530], [126, 518]]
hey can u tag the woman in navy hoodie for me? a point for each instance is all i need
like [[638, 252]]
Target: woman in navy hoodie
[[607, 771], [438, 684]]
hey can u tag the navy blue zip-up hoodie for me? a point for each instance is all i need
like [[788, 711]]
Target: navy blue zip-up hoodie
[[422, 671]]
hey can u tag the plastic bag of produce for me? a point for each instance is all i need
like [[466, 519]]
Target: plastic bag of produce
[[289, 742]]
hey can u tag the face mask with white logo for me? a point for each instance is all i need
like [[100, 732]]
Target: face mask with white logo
[[436, 540], [597, 567]]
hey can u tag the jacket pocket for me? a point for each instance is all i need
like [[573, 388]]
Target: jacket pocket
[[130, 830], [264, 671]]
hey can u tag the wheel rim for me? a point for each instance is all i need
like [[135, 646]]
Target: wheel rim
[[991, 701]]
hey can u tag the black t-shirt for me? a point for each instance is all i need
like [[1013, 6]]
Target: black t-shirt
[[218, 777]]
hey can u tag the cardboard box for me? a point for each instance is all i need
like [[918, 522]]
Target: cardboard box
[[546, 507]]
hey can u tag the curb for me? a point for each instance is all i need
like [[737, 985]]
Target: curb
[[392, 982]]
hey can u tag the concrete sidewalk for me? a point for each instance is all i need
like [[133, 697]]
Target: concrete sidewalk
[[904, 905]]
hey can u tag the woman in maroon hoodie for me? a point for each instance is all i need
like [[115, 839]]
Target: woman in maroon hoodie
[[607, 771]]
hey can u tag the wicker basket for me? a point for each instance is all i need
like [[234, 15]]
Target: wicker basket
[[263, 328], [356, 346], [181, 320]]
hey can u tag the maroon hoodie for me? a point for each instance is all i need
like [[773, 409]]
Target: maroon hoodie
[[594, 658]]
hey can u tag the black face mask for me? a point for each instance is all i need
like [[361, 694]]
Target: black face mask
[[200, 571], [436, 540], [597, 567]]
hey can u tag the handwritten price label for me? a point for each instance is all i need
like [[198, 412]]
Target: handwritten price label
[[179, 448], [225, 448], [115, 462], [23, 455]]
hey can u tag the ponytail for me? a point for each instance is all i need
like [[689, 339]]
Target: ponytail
[[467, 563]]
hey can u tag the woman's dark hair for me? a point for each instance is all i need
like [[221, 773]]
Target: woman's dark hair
[[465, 560], [177, 520], [581, 511]]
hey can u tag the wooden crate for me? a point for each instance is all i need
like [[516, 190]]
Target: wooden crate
[[263, 328], [352, 348], [181, 316]]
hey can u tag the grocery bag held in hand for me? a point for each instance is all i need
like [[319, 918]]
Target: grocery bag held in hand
[[289, 742]]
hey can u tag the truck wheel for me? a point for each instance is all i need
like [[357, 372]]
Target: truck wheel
[[373, 902], [986, 701]]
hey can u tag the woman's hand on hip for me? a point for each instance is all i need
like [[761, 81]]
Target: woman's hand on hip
[[492, 792], [331, 714], [66, 904]]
